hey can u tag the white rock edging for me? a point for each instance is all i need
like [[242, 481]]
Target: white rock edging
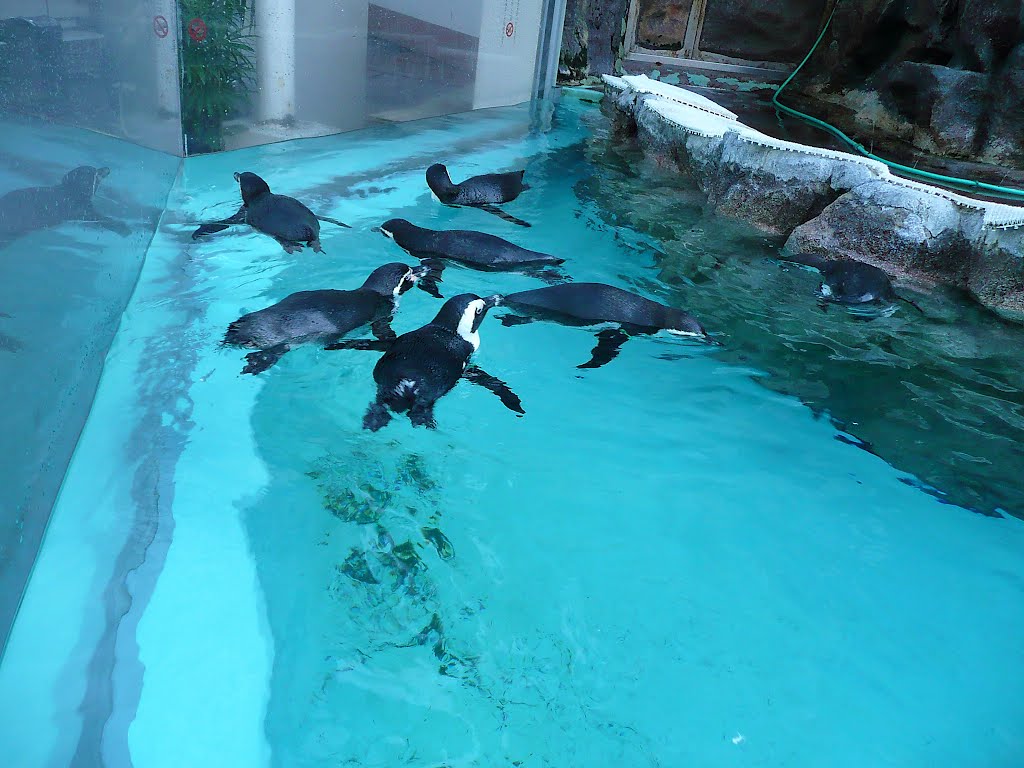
[[829, 202]]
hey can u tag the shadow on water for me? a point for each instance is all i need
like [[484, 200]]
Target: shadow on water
[[939, 395]]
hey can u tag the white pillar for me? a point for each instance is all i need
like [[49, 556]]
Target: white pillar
[[507, 55], [275, 58], [168, 96]]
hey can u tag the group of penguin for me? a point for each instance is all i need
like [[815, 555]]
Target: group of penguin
[[420, 367]]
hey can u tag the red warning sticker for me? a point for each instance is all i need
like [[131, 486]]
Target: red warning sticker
[[510, 28], [197, 29], [160, 28]]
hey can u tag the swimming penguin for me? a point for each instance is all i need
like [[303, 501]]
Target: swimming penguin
[[482, 192], [847, 281], [420, 367], [323, 316], [283, 218], [25, 210], [472, 249], [582, 304], [8, 343]]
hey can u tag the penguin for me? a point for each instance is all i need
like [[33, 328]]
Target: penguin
[[583, 304], [422, 366], [9, 343], [847, 281], [322, 316], [483, 192], [476, 250], [25, 210], [284, 218]]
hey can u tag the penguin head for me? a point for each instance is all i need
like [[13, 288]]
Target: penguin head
[[251, 185], [463, 314], [684, 324], [84, 179], [394, 279], [438, 179], [397, 229]]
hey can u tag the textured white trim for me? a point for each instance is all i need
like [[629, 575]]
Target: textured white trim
[[699, 115]]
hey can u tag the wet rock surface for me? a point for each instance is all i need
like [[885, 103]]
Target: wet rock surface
[[783, 30], [833, 203], [947, 76], [592, 38], [661, 24]]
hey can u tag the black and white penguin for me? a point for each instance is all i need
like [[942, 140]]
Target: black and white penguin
[[321, 316], [583, 304], [422, 366], [25, 210], [485, 191], [847, 281], [477, 250], [283, 218]]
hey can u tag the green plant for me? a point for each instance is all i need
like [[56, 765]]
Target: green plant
[[217, 70]]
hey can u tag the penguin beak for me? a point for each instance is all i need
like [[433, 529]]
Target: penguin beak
[[102, 172], [375, 229], [493, 301], [420, 271], [237, 175]]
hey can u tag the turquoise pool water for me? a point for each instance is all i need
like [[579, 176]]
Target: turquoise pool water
[[677, 559]]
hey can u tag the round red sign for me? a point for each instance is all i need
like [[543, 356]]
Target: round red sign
[[197, 29], [509, 29], [160, 28]]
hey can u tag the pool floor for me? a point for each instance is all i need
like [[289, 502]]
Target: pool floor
[[667, 561]]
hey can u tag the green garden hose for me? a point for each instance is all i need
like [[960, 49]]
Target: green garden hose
[[967, 184]]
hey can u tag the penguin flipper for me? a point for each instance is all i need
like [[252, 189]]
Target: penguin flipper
[[550, 276], [502, 215], [508, 398], [367, 345], [914, 304], [381, 328], [376, 416], [9, 343], [428, 283], [291, 246], [261, 359], [107, 223], [509, 320], [422, 415], [333, 221], [609, 341], [219, 226]]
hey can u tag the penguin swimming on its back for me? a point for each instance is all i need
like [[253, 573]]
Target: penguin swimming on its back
[[483, 192], [422, 366], [472, 249], [847, 281], [583, 304], [284, 218], [323, 316]]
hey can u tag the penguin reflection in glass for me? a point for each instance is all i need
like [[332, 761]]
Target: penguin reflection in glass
[[422, 366]]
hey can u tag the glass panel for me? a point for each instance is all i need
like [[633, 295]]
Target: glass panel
[[77, 211], [283, 69], [111, 67]]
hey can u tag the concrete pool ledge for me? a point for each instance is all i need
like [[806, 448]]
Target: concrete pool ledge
[[828, 202]]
